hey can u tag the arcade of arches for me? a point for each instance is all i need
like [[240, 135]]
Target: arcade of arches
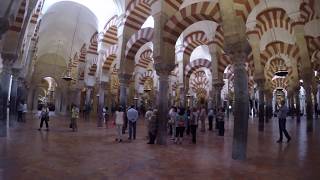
[[243, 55]]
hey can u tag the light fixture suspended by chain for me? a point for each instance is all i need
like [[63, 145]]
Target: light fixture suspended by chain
[[67, 75]]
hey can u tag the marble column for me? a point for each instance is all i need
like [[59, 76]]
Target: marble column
[[260, 83], [7, 61], [268, 106], [101, 103], [88, 94], [297, 96], [13, 97], [218, 85], [239, 52], [163, 70], [124, 80], [308, 99]]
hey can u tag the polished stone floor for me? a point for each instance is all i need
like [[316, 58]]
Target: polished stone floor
[[91, 153]]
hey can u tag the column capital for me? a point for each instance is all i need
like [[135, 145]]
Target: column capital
[[218, 84], [124, 78], [163, 69], [238, 51]]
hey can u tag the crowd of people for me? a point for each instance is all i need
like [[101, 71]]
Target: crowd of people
[[181, 121]]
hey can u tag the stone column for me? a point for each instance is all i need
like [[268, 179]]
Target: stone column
[[218, 85], [101, 103], [88, 94], [268, 95], [297, 104], [13, 97], [7, 61], [4, 25], [306, 73], [124, 80], [163, 71], [260, 83], [239, 52]]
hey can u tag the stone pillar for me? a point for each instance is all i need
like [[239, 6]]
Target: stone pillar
[[163, 71], [218, 85], [101, 103], [124, 80], [309, 105], [88, 94], [297, 96], [7, 61], [268, 95], [13, 97], [260, 83], [306, 73], [239, 52]]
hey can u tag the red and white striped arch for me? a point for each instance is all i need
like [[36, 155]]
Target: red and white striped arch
[[281, 83], [307, 12], [111, 55], [200, 83], [219, 38], [36, 32], [188, 16], [276, 48], [93, 66], [316, 61], [244, 7], [223, 62], [174, 4], [193, 40], [136, 41], [145, 59], [93, 47], [195, 65], [83, 53], [313, 44], [274, 64], [272, 18], [20, 17], [110, 35], [137, 12], [37, 11], [146, 75]]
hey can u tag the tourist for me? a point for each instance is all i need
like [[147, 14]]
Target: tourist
[[180, 125], [210, 118], [24, 111], [44, 117], [152, 126], [220, 119], [20, 111], [194, 124], [74, 118], [202, 118], [132, 116], [119, 123], [105, 115], [282, 115], [147, 118], [172, 121]]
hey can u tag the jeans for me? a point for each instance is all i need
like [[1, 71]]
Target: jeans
[[282, 129], [179, 131], [193, 129], [46, 121], [132, 129]]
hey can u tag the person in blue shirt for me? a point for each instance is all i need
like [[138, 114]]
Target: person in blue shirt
[[132, 116]]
